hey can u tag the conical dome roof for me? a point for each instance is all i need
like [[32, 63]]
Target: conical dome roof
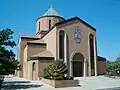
[[51, 12]]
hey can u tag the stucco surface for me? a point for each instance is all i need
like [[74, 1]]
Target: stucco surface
[[72, 46], [102, 67]]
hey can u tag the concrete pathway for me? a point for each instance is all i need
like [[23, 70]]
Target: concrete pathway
[[100, 83], [88, 83]]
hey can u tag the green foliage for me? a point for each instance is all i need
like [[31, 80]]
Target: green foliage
[[8, 64], [118, 59], [56, 71], [5, 38], [113, 66]]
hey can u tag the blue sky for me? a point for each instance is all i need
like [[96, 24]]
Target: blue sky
[[104, 15]]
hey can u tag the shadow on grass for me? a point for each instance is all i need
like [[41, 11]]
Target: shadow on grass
[[19, 85]]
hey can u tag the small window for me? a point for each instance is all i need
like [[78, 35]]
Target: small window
[[39, 26], [33, 66], [49, 24]]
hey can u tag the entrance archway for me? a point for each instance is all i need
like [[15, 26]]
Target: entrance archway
[[78, 65]]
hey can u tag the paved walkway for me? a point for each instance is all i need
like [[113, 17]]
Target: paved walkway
[[88, 83], [100, 83]]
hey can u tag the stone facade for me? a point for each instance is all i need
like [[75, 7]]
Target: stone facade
[[72, 40]]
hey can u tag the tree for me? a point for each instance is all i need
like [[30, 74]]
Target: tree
[[110, 66], [113, 67], [118, 59], [8, 64]]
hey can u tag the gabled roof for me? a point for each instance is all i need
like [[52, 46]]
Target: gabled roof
[[75, 18], [69, 20]]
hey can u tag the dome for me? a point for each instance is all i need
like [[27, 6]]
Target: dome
[[47, 21], [51, 12]]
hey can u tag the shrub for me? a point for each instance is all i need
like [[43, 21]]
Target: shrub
[[56, 71]]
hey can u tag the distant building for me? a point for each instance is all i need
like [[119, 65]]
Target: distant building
[[72, 41]]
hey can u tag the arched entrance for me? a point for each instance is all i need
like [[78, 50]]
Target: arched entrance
[[33, 71], [78, 65]]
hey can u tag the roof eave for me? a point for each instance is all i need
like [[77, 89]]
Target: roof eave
[[40, 58], [49, 16]]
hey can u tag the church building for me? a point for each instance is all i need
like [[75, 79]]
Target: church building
[[70, 40]]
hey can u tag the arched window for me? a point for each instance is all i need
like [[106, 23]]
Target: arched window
[[91, 42], [61, 44]]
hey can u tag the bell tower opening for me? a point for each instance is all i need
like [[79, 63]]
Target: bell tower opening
[[49, 24]]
